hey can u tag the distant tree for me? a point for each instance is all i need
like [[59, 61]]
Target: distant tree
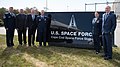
[[27, 10], [16, 11], [2, 11]]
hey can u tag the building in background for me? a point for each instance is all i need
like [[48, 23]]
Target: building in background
[[116, 8]]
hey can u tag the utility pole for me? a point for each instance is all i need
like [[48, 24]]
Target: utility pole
[[106, 2], [46, 5], [85, 6], [95, 6]]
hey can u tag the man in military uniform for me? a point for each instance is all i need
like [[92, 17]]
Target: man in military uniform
[[9, 22], [21, 26], [32, 25], [41, 28]]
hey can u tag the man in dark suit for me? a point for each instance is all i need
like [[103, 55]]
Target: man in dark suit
[[41, 28], [9, 22], [96, 30], [21, 26], [32, 25], [108, 28]]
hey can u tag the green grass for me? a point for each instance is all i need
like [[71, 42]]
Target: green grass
[[51, 56]]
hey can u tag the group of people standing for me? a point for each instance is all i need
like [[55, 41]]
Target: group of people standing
[[22, 22], [103, 29], [103, 32]]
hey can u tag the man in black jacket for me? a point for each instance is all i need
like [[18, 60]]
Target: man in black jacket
[[96, 30], [21, 26], [9, 22], [32, 25]]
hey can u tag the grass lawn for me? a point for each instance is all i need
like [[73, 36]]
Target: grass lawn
[[51, 56]]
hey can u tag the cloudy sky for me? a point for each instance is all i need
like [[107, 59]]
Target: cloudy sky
[[56, 5]]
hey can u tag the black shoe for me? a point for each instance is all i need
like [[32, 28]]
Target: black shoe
[[107, 58], [40, 45], [103, 56], [33, 44], [25, 42], [10, 46], [97, 52], [114, 45], [20, 44], [29, 45], [44, 44]]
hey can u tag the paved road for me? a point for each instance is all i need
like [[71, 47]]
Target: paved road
[[117, 33], [3, 31]]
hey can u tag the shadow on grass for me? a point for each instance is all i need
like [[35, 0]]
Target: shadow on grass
[[116, 59], [6, 54], [48, 52], [35, 51], [88, 53]]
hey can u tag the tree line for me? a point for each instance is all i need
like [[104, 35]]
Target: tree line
[[16, 11]]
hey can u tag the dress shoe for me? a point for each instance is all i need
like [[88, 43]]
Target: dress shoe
[[97, 52], [107, 58], [103, 56]]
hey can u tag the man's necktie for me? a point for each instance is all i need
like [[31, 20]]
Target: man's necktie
[[106, 15], [33, 17]]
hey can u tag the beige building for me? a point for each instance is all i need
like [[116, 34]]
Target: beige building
[[116, 8]]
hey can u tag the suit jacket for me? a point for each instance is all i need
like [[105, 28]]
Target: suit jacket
[[109, 24], [31, 24], [97, 26], [21, 21], [9, 20]]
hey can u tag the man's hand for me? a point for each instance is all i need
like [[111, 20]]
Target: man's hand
[[17, 29], [110, 33], [6, 28], [27, 28], [100, 35]]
